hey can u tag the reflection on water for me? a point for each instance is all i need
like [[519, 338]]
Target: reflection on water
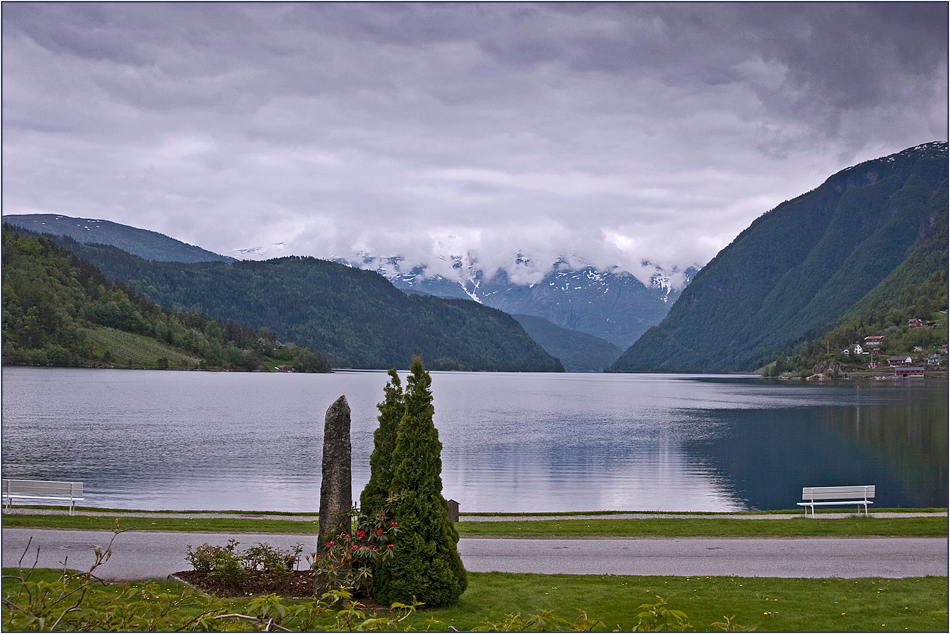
[[890, 435], [511, 442]]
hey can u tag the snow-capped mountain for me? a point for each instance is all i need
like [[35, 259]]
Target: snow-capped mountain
[[610, 304], [276, 250]]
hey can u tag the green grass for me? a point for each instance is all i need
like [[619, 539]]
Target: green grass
[[768, 604], [598, 528], [711, 527], [204, 524], [128, 349]]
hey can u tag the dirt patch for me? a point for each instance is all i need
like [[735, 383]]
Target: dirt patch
[[299, 584]]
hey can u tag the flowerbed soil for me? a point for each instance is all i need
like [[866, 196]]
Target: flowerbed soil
[[299, 584]]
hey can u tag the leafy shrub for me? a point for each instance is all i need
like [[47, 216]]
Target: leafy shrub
[[222, 563], [273, 562], [347, 563], [231, 567]]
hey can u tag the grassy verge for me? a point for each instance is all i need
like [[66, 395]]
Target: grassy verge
[[766, 604], [711, 527], [202, 524], [577, 528]]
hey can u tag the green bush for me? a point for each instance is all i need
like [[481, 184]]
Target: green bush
[[378, 488], [232, 567], [425, 565], [273, 562], [223, 563]]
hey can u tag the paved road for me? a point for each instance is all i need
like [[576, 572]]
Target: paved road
[[141, 555]]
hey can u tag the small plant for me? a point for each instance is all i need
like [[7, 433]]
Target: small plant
[[655, 617], [729, 625], [222, 563], [273, 562], [231, 567], [543, 621]]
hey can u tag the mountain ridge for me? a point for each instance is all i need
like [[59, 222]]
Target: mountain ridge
[[144, 243], [355, 317], [613, 304], [800, 266], [609, 304]]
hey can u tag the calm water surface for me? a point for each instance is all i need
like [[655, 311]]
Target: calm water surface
[[511, 442]]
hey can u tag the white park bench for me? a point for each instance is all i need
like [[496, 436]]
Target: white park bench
[[837, 496], [42, 490]]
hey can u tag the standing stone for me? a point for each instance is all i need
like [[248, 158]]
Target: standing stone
[[336, 488]]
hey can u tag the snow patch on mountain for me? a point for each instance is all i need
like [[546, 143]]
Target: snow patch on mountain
[[276, 250]]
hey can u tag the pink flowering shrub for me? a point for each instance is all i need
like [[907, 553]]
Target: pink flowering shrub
[[347, 562]]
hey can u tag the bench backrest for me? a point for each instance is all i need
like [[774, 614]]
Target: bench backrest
[[815, 494], [42, 487]]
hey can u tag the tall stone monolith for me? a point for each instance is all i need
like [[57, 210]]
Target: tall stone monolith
[[336, 488]]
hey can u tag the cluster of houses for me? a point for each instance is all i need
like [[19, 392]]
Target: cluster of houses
[[903, 364]]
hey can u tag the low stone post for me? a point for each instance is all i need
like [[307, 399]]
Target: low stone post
[[336, 488]]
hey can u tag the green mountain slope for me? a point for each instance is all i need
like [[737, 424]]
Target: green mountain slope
[[149, 245], [60, 310], [798, 268], [578, 351], [356, 317]]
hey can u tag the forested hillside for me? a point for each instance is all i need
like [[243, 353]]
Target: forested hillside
[[577, 351], [800, 268], [60, 310], [356, 317]]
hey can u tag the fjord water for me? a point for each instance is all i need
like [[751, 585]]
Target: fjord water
[[511, 442]]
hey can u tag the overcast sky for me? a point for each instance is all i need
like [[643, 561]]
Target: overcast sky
[[613, 132]]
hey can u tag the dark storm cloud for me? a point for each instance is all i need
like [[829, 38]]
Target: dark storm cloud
[[617, 132]]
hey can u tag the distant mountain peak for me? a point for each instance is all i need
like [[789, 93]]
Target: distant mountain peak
[[610, 303], [150, 245]]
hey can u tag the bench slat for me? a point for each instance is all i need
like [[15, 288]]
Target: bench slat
[[837, 493]]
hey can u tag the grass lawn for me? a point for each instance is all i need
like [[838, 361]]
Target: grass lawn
[[203, 524], [766, 604], [796, 526]]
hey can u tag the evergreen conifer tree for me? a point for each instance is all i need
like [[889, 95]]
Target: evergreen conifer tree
[[384, 444], [425, 564]]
